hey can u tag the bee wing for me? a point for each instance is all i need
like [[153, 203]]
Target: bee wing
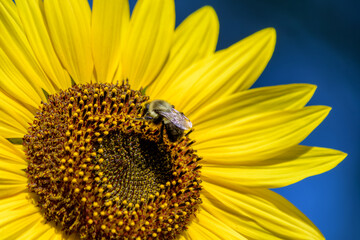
[[177, 118]]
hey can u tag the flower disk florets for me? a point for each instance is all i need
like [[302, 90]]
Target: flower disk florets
[[98, 170]]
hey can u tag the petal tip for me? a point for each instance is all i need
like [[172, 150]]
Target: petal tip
[[309, 88], [267, 38], [209, 12], [327, 109], [342, 156], [270, 32], [323, 109]]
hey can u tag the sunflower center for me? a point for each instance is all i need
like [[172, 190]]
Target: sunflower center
[[135, 167], [100, 171]]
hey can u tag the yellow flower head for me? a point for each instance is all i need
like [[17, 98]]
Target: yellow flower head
[[119, 127]]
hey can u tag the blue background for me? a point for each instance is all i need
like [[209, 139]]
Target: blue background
[[318, 43]]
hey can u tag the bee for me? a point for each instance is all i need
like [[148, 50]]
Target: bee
[[162, 112]]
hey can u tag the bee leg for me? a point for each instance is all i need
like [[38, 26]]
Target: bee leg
[[157, 121], [145, 109], [162, 133], [147, 118]]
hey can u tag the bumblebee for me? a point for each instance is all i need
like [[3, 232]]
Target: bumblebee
[[162, 112]]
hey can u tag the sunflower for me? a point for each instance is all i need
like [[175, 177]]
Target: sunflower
[[86, 153]]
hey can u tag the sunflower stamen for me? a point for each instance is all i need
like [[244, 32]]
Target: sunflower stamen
[[100, 173]]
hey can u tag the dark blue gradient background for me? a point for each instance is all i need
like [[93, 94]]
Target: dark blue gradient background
[[318, 43]]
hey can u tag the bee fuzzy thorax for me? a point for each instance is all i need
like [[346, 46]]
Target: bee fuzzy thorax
[[162, 112]]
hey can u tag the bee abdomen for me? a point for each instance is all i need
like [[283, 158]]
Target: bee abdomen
[[174, 133]]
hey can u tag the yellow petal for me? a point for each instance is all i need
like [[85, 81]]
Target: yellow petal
[[32, 18], [9, 190], [194, 39], [196, 231], [243, 225], [14, 118], [19, 148], [12, 168], [50, 234], [69, 27], [215, 226], [16, 110], [24, 223], [10, 153], [14, 177], [149, 39], [110, 20], [251, 102], [295, 164], [233, 69], [10, 130], [185, 236], [16, 202], [20, 209], [258, 137], [17, 57], [39, 230], [274, 216], [14, 84]]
